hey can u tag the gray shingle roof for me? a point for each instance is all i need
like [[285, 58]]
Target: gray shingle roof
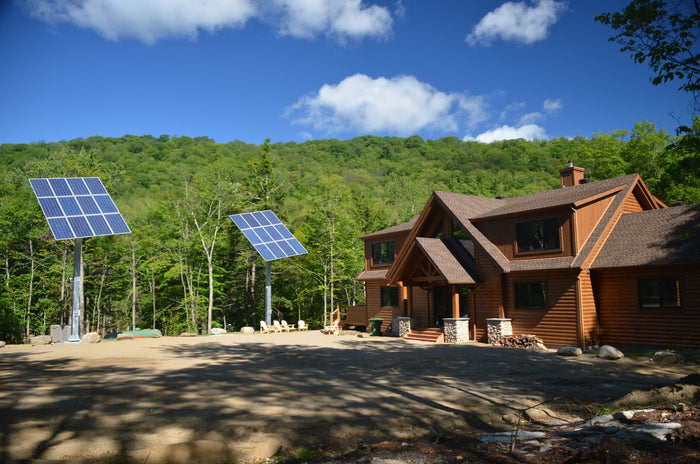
[[658, 237], [447, 261], [404, 227], [372, 275]]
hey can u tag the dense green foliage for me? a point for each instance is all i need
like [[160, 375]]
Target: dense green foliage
[[185, 260]]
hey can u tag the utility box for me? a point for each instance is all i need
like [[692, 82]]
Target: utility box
[[59, 333]]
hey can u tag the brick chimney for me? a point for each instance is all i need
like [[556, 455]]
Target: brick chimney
[[571, 176]]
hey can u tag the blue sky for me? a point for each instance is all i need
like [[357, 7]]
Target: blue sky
[[295, 70]]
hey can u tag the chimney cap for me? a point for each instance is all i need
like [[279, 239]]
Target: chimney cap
[[571, 163]]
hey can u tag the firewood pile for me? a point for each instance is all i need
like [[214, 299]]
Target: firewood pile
[[528, 342]]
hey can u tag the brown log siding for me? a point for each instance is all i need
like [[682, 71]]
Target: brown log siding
[[486, 298], [501, 232], [623, 322], [588, 217], [556, 325], [591, 335]]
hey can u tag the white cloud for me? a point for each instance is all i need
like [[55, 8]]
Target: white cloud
[[517, 22], [530, 118], [151, 20], [506, 132], [552, 106], [402, 105]]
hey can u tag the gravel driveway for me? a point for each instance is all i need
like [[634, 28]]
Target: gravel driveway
[[240, 397]]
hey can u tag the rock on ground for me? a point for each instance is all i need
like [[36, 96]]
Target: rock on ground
[[610, 352]]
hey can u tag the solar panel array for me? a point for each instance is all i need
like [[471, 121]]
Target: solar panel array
[[78, 207], [268, 235]]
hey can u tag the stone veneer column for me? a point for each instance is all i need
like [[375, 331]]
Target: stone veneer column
[[456, 329], [404, 325], [497, 328]]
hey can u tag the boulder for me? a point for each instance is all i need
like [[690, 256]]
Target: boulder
[[91, 337], [569, 351], [155, 334], [218, 331], [247, 330], [123, 336], [2, 344], [188, 334], [610, 352], [667, 357], [41, 340]]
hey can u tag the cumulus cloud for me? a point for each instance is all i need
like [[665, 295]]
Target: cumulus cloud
[[151, 20], [552, 106], [402, 105], [506, 132], [517, 22]]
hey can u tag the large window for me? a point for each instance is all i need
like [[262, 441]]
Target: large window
[[383, 253], [538, 235], [530, 295], [659, 293], [390, 297]]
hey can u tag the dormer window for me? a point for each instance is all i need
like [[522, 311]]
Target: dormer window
[[538, 235], [382, 253]]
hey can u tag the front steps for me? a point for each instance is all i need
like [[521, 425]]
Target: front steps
[[433, 335]]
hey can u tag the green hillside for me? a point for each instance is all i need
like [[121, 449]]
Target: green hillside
[[176, 194]]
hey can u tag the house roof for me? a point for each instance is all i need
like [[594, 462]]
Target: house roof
[[660, 237], [404, 227], [373, 275], [447, 260]]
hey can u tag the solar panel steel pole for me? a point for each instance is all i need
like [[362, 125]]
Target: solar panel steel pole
[[75, 317], [268, 293]]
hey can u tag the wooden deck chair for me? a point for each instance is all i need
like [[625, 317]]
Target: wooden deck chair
[[302, 325], [276, 326], [264, 328], [287, 327], [332, 329]]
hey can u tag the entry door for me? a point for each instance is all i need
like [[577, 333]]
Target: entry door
[[442, 304]]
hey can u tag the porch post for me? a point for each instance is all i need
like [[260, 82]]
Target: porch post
[[455, 301], [410, 300]]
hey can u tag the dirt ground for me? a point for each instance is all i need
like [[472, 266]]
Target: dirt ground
[[245, 398]]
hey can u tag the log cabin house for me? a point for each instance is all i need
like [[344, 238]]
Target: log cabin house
[[588, 263]]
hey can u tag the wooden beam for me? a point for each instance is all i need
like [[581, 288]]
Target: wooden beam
[[455, 301]]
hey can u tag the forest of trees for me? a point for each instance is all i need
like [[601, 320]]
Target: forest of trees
[[186, 260]]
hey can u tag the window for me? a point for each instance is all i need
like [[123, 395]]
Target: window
[[530, 295], [390, 297], [659, 293], [382, 253], [538, 235]]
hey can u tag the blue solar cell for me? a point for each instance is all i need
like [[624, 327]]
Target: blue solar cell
[[60, 228], [95, 185], [106, 204], [288, 250], [250, 219], [80, 226], [268, 235], [271, 217], [77, 185], [238, 220], [272, 232], [260, 217], [70, 206], [251, 236], [263, 235], [265, 252], [99, 225], [60, 187], [298, 247], [88, 205], [276, 250], [41, 187], [117, 224], [73, 207], [50, 207]]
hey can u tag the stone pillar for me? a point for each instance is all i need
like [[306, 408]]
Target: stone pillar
[[456, 329], [404, 324], [496, 328]]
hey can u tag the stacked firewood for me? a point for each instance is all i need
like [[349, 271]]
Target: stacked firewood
[[529, 342]]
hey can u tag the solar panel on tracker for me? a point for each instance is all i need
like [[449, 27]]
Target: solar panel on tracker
[[78, 207], [268, 235]]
